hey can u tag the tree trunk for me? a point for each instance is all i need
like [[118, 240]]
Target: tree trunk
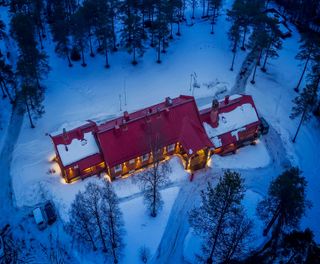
[[244, 39], [7, 92], [82, 55], [273, 219], [96, 214], [69, 61], [107, 60], [40, 39], [234, 57], [303, 72], [265, 59], [152, 30], [203, 8], [90, 43], [178, 32], [114, 37], [193, 8], [29, 114], [300, 123], [134, 62], [3, 93], [253, 81], [159, 50], [213, 20], [171, 31], [113, 239]]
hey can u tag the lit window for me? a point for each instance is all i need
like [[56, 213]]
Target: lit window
[[132, 161], [171, 147], [117, 168], [145, 157]]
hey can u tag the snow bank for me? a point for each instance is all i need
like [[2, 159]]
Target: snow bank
[[249, 157], [78, 149], [143, 230]]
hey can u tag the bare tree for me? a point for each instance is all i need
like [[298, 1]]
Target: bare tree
[[112, 220], [93, 197], [80, 225], [156, 177]]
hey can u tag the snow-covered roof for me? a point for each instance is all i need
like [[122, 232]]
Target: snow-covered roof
[[78, 149], [238, 118]]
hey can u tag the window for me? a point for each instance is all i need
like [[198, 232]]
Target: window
[[132, 161], [117, 168], [171, 147], [145, 157]]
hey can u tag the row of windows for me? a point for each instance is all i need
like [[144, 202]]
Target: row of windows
[[144, 158]]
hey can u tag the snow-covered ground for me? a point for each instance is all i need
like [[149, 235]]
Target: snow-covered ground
[[143, 230], [249, 157]]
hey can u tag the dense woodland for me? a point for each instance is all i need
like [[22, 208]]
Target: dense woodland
[[89, 28]]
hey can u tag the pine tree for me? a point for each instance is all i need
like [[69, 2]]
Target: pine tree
[[161, 26], [31, 67], [220, 219], [81, 225], [104, 28], [133, 34], [93, 196], [309, 50], [304, 104], [80, 32], [112, 220], [274, 44], [285, 203], [234, 36], [60, 29], [215, 6]]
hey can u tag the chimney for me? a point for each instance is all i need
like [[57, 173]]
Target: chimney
[[124, 125], [116, 125], [214, 114], [168, 101], [148, 119], [158, 112], [126, 115], [226, 100]]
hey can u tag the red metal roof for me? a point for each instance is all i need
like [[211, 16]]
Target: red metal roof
[[122, 140]]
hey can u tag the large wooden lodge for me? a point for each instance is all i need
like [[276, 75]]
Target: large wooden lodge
[[128, 143]]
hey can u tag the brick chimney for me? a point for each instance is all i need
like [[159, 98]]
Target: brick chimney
[[168, 101], [226, 100], [126, 115], [214, 114]]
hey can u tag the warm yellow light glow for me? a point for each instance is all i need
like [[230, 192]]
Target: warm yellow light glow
[[107, 177]]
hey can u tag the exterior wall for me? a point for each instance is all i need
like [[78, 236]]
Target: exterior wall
[[73, 172], [139, 162]]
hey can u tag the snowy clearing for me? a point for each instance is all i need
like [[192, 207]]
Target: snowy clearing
[[143, 230]]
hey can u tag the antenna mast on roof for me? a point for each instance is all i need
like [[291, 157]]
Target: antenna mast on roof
[[125, 92], [120, 103]]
